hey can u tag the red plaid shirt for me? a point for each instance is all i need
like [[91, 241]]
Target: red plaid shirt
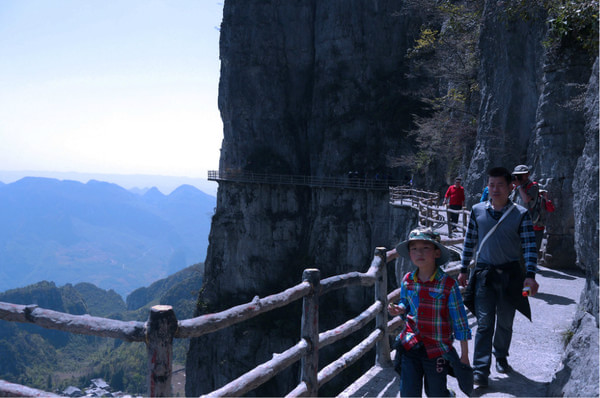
[[435, 313]]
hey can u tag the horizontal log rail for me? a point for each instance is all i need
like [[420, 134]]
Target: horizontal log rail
[[16, 390], [79, 324], [345, 182], [162, 326], [208, 323]]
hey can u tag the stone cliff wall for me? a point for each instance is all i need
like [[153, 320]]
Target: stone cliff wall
[[578, 376], [532, 113], [510, 82], [308, 88], [540, 107]]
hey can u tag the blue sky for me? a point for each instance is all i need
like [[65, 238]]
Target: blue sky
[[110, 86]]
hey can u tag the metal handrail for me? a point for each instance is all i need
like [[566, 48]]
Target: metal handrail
[[347, 182]]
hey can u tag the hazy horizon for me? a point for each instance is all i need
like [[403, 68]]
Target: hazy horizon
[[164, 183]]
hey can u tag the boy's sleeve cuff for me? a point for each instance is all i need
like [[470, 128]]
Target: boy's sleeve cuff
[[463, 335], [530, 275], [464, 270]]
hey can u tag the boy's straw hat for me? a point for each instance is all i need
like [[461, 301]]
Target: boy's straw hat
[[428, 235]]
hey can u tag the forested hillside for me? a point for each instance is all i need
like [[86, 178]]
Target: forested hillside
[[51, 359]]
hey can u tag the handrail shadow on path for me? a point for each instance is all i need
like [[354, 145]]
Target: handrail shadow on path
[[553, 299], [563, 274]]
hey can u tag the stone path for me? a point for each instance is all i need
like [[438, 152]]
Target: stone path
[[535, 351]]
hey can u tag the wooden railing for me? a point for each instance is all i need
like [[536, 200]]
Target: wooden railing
[[377, 183], [162, 327], [430, 214]]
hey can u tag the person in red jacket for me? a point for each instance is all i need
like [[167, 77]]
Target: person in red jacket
[[455, 200]]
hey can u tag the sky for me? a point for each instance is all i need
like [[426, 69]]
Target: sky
[[110, 86]]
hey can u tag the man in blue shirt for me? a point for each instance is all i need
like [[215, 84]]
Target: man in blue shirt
[[494, 289]]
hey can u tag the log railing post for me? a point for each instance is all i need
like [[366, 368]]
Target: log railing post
[[382, 347], [310, 332], [430, 204], [448, 221], [162, 325]]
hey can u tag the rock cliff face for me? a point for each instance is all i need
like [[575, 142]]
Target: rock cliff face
[[532, 113], [510, 84], [579, 373], [307, 88], [317, 88], [547, 119]]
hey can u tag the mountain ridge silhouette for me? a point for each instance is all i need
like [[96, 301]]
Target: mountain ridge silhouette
[[98, 232]]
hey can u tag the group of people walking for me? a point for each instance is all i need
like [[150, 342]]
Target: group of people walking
[[498, 269]]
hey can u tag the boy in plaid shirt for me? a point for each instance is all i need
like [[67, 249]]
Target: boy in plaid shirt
[[435, 316]]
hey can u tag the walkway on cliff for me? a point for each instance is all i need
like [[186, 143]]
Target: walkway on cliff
[[352, 181], [535, 352]]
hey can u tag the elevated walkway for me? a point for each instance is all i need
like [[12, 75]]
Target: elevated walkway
[[348, 182]]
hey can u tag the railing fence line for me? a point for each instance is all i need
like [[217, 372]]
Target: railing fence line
[[162, 327], [430, 215]]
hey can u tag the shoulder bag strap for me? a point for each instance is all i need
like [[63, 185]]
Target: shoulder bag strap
[[490, 232]]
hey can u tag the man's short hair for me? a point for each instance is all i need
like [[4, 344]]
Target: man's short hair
[[501, 172]]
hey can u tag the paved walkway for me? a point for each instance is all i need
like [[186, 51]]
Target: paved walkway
[[535, 352]]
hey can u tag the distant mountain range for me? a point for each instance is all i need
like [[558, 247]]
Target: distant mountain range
[[70, 232], [134, 182]]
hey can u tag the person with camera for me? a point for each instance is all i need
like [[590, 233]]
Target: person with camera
[[526, 194]]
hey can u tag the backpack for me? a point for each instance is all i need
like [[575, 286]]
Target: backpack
[[543, 205]]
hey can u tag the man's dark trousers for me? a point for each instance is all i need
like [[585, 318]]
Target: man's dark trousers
[[491, 302], [454, 216]]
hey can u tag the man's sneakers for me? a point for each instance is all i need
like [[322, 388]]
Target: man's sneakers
[[480, 380], [502, 366]]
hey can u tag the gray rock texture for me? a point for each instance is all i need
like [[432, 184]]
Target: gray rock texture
[[579, 374], [307, 88], [510, 81], [585, 208], [557, 145], [547, 119]]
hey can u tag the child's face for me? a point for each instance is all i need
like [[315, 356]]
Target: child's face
[[423, 253]]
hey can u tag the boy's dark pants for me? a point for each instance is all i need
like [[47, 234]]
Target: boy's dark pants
[[492, 308], [415, 366]]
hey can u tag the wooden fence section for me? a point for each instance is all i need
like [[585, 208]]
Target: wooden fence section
[[347, 182], [162, 326], [430, 214], [16, 390]]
